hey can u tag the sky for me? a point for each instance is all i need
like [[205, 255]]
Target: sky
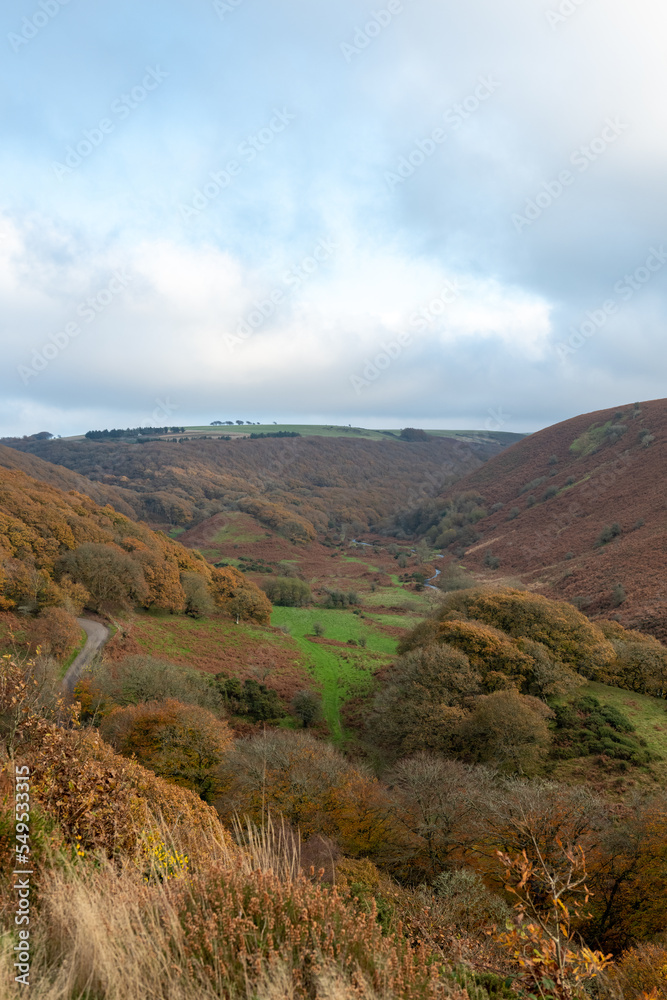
[[414, 212]]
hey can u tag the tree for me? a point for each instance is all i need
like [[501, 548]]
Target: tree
[[182, 743], [307, 707], [198, 600], [508, 730], [289, 592], [110, 576], [56, 632], [310, 784], [420, 704]]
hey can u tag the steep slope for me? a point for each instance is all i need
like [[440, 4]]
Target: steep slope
[[577, 510], [124, 501], [300, 486], [61, 549]]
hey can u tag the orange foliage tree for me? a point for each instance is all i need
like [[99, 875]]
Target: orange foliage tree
[[182, 743], [310, 784]]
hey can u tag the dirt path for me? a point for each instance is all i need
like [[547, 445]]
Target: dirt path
[[97, 636]]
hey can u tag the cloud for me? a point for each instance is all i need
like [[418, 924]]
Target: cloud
[[176, 327]]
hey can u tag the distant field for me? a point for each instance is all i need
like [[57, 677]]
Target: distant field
[[332, 430], [342, 673]]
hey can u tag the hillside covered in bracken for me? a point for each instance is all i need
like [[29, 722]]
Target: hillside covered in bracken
[[577, 511], [301, 486]]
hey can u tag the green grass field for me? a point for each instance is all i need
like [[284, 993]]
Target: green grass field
[[648, 715], [341, 673]]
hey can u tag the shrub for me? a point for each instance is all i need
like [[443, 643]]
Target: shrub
[[341, 599], [514, 512], [553, 460], [454, 577], [462, 900], [550, 493], [507, 730], [642, 972], [307, 707], [618, 596], [569, 555], [182, 743], [493, 562], [250, 699], [608, 533], [144, 678], [533, 484], [585, 727], [287, 592]]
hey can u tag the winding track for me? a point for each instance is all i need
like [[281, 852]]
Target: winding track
[[97, 636]]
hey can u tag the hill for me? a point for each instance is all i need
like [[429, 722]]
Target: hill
[[123, 501], [61, 552], [300, 486], [576, 511]]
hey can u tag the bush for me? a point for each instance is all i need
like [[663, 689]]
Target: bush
[[251, 699], [493, 562], [462, 900], [585, 727], [454, 578], [618, 596], [642, 972], [341, 599], [514, 512], [307, 707], [143, 678], [181, 743], [287, 592], [608, 534]]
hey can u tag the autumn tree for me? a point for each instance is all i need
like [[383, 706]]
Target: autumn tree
[[640, 663], [310, 784], [109, 574], [182, 743], [508, 730], [420, 705], [236, 595], [574, 641], [56, 632]]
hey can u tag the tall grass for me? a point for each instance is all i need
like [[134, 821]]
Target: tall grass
[[246, 926]]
